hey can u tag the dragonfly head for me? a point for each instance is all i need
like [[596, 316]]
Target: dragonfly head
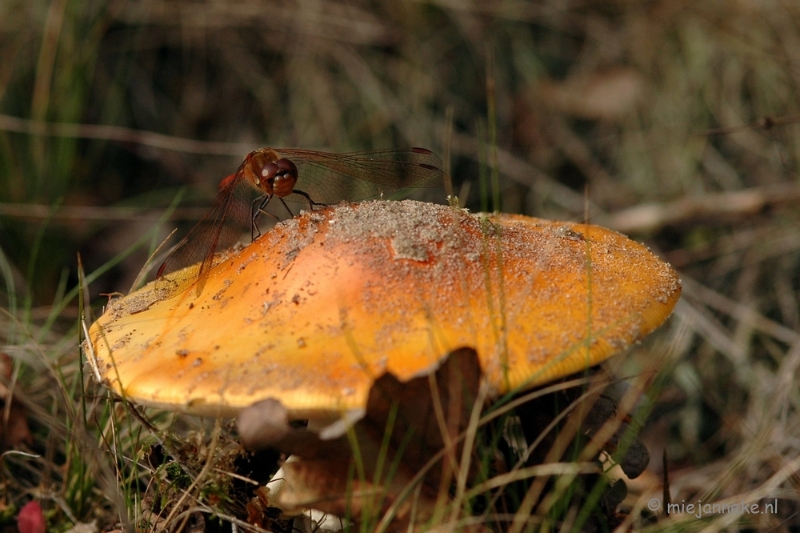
[[282, 174], [271, 174]]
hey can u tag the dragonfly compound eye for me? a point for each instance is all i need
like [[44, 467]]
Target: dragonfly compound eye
[[286, 177], [287, 167], [268, 171]]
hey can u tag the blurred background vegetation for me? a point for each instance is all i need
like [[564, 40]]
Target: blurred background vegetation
[[673, 121]]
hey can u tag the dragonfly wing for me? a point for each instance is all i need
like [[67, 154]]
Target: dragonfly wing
[[330, 178], [218, 230]]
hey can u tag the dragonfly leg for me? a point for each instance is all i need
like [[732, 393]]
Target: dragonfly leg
[[311, 203], [291, 215], [257, 208]]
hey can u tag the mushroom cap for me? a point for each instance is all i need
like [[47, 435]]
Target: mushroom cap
[[313, 311]]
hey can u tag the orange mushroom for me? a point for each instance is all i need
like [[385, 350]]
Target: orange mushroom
[[312, 312]]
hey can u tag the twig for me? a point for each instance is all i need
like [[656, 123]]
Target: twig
[[83, 212], [711, 207], [125, 135], [766, 123]]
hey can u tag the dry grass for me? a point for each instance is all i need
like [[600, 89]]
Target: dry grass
[[624, 111]]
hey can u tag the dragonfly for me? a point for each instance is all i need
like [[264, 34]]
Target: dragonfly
[[325, 178]]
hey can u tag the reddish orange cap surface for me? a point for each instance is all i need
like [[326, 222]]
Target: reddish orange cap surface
[[314, 310]]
